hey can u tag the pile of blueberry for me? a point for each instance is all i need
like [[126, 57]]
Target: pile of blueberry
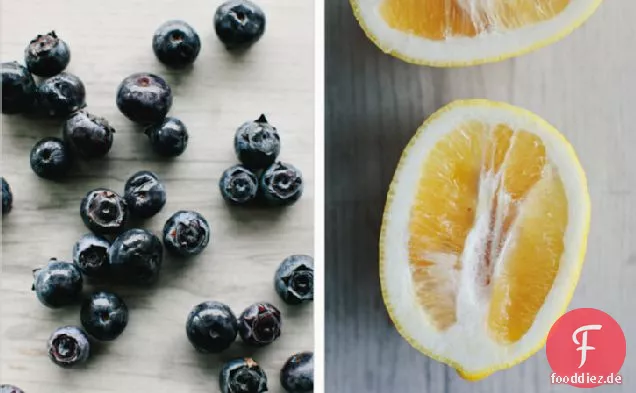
[[260, 177], [117, 252], [113, 253]]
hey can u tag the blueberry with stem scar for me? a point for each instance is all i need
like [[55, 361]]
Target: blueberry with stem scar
[[176, 44], [242, 376], [281, 184], [260, 324], [104, 212], [238, 185], [47, 55], [186, 233], [239, 24], [294, 279], [90, 255], [144, 98], [68, 347]]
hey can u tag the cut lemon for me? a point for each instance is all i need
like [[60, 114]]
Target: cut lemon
[[455, 33], [484, 235]]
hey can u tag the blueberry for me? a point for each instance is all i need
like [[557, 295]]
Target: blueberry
[[104, 211], [257, 144], [168, 138], [186, 233], [104, 316], [61, 95], [47, 55], [238, 185], [294, 279], [136, 257], [50, 158], [144, 98], [242, 376], [10, 389], [145, 195], [176, 44], [239, 23], [260, 324], [87, 135], [68, 346], [57, 284], [281, 184], [18, 89], [297, 375], [90, 255], [7, 197], [211, 327]]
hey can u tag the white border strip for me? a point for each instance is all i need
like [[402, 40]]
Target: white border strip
[[319, 200]]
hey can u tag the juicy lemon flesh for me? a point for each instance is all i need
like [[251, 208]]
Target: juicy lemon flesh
[[441, 19], [502, 177]]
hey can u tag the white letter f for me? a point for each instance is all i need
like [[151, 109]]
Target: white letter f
[[584, 347]]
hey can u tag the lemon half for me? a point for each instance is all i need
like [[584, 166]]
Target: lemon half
[[483, 236], [453, 33]]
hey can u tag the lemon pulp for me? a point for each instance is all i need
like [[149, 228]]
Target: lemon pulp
[[441, 19], [490, 209]]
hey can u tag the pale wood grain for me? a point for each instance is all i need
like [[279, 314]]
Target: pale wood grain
[[109, 40], [584, 85]]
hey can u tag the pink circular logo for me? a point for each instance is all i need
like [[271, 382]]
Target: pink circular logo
[[586, 348]]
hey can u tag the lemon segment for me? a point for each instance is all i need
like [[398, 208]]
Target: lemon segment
[[456, 33], [483, 235], [533, 260]]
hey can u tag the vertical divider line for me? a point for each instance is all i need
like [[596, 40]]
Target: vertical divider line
[[319, 199]]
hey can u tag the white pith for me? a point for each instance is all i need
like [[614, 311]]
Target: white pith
[[467, 342], [495, 43]]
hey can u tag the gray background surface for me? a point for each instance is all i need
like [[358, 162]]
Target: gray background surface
[[584, 85]]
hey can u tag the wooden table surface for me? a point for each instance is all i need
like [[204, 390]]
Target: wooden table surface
[[110, 40], [584, 85]]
